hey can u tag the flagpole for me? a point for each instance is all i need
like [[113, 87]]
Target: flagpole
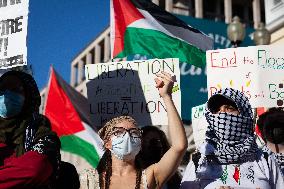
[[112, 31], [47, 88]]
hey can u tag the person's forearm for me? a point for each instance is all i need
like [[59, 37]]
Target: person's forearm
[[175, 126]]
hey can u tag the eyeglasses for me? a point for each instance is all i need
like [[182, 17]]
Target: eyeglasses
[[133, 132]]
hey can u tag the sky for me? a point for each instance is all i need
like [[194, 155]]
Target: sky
[[60, 29]]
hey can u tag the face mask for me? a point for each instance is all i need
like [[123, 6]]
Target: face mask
[[11, 104], [125, 147]]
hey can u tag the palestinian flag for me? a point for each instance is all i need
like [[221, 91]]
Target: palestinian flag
[[142, 27], [68, 112], [259, 140]]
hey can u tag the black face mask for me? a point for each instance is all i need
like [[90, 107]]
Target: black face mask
[[275, 135], [274, 128]]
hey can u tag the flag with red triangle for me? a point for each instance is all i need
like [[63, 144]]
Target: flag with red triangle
[[68, 112], [142, 27]]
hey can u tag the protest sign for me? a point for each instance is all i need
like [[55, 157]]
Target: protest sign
[[128, 88], [13, 32], [257, 71], [199, 124]]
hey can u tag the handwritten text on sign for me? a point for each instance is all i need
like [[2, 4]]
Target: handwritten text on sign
[[13, 32], [256, 71], [199, 124], [128, 88]]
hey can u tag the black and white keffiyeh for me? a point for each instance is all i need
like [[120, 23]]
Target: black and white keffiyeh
[[232, 136], [279, 157]]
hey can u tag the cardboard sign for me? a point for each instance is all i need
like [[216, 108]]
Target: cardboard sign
[[199, 124], [257, 71], [128, 88], [13, 32]]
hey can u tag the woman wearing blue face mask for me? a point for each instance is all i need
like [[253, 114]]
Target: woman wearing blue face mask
[[29, 150], [119, 167]]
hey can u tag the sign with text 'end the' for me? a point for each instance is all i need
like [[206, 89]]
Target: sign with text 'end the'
[[128, 88], [13, 33], [257, 71]]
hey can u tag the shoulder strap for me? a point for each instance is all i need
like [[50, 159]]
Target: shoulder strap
[[266, 155], [195, 158]]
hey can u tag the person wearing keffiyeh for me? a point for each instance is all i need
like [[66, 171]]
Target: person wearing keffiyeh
[[29, 150], [271, 125], [230, 156]]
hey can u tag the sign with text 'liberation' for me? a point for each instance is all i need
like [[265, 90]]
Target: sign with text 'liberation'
[[128, 88], [13, 32], [258, 71]]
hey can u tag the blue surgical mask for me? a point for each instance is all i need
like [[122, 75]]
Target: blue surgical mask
[[11, 103], [125, 147]]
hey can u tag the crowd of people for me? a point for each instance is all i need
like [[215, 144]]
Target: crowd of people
[[141, 158]]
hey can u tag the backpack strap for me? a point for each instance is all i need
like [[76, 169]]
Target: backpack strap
[[195, 158], [266, 155]]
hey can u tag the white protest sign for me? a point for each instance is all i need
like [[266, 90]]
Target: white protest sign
[[199, 124], [128, 88], [13, 32], [257, 71]]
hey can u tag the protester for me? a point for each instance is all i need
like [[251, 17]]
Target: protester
[[271, 125], [230, 156], [29, 150], [118, 168], [154, 146]]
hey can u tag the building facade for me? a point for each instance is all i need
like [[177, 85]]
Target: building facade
[[274, 16]]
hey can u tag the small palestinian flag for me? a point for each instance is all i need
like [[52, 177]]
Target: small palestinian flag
[[237, 174], [68, 112], [142, 27]]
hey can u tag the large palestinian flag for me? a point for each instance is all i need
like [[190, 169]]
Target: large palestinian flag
[[69, 115], [142, 27]]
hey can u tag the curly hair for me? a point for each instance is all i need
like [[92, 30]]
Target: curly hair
[[106, 130]]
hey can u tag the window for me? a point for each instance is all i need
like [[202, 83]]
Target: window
[[214, 10], [262, 11], [243, 9], [162, 4], [75, 69], [84, 60], [92, 52], [102, 46]]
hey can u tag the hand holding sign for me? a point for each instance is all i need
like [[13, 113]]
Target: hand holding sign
[[164, 83], [128, 88], [13, 33], [257, 71]]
